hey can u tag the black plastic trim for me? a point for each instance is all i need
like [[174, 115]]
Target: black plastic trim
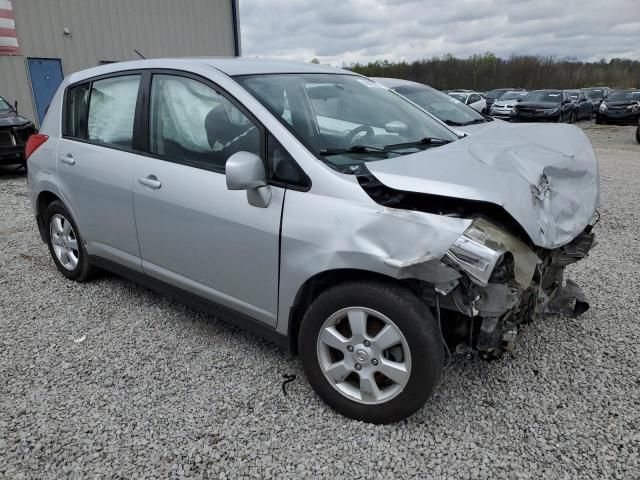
[[218, 311]]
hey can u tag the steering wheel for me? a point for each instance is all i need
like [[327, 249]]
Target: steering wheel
[[362, 128]]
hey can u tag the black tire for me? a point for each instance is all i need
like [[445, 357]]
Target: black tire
[[409, 314], [83, 271], [598, 119], [591, 115], [638, 134]]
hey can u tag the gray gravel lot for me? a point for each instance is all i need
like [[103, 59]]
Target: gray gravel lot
[[108, 379]]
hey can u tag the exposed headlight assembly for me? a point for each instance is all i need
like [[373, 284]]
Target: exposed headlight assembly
[[479, 249], [603, 107], [550, 110], [634, 108]]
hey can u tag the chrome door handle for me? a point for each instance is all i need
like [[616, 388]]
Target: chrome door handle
[[68, 159], [150, 181]]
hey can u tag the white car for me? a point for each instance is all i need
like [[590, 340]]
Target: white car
[[473, 99], [444, 107]]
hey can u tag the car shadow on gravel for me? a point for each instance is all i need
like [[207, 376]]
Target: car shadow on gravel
[[9, 172]]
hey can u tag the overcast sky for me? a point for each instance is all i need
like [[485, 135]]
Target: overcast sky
[[346, 31]]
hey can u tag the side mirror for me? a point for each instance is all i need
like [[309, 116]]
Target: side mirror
[[15, 106], [245, 171], [519, 100]]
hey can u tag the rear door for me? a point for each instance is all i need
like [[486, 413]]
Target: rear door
[[95, 164], [194, 233]]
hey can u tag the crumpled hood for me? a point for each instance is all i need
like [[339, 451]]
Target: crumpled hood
[[544, 176], [12, 120]]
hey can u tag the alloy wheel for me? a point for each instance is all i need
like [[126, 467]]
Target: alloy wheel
[[364, 355], [64, 242]]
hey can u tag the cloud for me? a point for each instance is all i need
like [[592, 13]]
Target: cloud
[[346, 31]]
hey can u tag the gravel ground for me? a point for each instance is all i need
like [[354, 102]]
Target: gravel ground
[[108, 379]]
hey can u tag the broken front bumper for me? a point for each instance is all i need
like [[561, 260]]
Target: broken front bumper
[[515, 291]]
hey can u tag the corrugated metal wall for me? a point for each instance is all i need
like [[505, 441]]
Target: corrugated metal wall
[[110, 30]]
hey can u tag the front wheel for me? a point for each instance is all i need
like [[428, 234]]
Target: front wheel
[[371, 350], [638, 134]]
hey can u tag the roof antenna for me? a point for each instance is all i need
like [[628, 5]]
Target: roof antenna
[[141, 56]]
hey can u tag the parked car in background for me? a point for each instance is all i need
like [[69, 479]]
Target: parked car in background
[[545, 106], [584, 106], [596, 95], [14, 132], [502, 108], [620, 106], [318, 209], [470, 98], [495, 94], [442, 106]]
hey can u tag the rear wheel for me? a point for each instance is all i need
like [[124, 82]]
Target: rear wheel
[[371, 350], [65, 243], [638, 134]]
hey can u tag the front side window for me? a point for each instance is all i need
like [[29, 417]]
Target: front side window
[[345, 119], [191, 122], [112, 108], [441, 105]]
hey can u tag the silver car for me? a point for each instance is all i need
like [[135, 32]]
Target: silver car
[[319, 209], [501, 108]]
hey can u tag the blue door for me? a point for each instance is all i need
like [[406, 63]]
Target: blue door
[[46, 77]]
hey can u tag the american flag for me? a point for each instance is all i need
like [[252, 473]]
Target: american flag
[[8, 36]]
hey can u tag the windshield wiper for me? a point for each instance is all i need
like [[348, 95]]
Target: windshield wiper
[[354, 149], [453, 123], [417, 143], [473, 122]]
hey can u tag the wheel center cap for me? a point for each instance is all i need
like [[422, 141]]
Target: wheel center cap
[[361, 356]]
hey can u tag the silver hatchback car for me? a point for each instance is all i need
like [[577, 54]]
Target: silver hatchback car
[[318, 209]]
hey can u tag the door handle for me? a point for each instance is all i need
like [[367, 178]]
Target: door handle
[[68, 159], [150, 181]]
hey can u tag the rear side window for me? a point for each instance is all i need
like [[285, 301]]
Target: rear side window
[[77, 109], [112, 108]]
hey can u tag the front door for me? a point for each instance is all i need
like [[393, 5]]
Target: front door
[[193, 232], [46, 76]]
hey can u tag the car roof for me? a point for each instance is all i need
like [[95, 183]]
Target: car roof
[[229, 65]]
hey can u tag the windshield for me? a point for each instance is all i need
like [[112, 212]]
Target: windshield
[[5, 106], [345, 119], [595, 93], [496, 93], [512, 96], [624, 96], [554, 96], [441, 105]]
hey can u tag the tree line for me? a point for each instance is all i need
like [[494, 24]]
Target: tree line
[[486, 71]]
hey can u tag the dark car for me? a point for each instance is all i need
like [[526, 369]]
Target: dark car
[[495, 94], [596, 95], [545, 106], [584, 105], [14, 132], [620, 106]]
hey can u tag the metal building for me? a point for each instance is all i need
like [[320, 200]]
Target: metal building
[[41, 41]]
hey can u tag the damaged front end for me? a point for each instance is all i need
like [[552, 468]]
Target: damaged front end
[[506, 284]]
